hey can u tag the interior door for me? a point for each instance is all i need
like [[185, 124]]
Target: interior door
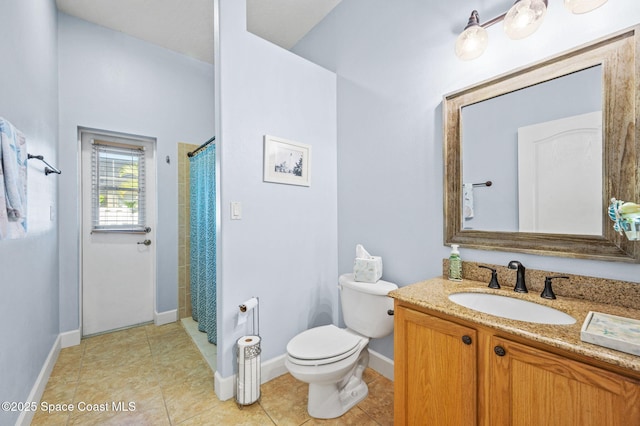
[[561, 159], [118, 228]]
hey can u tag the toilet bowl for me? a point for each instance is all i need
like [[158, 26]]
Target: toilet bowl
[[332, 359], [344, 356]]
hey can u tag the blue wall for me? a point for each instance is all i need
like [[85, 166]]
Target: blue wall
[[29, 266], [111, 81], [395, 61], [284, 250]]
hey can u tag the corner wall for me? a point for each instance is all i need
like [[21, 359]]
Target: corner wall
[[284, 250], [111, 81], [29, 266]]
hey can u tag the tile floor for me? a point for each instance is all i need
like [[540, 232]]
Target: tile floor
[[161, 371], [208, 350]]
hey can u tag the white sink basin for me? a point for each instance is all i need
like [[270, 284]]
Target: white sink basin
[[511, 308]]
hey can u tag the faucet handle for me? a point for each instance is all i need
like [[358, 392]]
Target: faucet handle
[[548, 293], [494, 277]]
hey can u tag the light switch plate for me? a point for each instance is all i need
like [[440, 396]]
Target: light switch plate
[[236, 210]]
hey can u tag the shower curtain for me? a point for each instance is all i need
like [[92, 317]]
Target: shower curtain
[[203, 240]]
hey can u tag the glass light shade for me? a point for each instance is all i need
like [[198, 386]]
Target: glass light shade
[[583, 6], [524, 18], [472, 42]]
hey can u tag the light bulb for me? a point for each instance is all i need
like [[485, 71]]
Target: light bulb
[[524, 18], [583, 6], [472, 43]]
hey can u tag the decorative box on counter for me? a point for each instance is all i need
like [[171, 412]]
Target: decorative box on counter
[[611, 331]]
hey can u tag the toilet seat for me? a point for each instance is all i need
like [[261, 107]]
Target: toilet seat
[[323, 345]]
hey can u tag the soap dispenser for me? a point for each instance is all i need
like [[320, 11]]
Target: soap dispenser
[[455, 264]]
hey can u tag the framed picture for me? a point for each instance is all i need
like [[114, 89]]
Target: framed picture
[[286, 161]]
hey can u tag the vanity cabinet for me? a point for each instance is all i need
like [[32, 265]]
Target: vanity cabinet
[[435, 371], [530, 386], [452, 372]]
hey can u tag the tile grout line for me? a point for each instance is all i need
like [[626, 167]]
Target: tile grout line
[[77, 381], [267, 414], [155, 373]]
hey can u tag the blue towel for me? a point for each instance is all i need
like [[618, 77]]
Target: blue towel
[[13, 181]]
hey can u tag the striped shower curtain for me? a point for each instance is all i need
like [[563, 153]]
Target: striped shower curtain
[[203, 240]]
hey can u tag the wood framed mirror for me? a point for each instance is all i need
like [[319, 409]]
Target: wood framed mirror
[[616, 62]]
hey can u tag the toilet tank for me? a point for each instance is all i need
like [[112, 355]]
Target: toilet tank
[[365, 306]]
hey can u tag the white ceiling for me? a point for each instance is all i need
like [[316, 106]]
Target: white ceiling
[[187, 26]]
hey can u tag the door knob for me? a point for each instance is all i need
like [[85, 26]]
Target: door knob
[[145, 242]]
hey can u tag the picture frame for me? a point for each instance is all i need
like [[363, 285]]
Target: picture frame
[[286, 161]]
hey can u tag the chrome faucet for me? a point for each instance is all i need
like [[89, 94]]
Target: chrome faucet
[[520, 287]]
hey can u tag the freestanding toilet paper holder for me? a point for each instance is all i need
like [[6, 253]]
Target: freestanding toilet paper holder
[[248, 352]]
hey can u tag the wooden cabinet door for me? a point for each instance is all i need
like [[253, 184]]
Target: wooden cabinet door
[[435, 371], [533, 387]]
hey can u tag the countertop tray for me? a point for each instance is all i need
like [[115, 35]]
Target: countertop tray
[[611, 331]]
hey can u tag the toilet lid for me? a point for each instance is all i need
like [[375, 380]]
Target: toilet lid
[[323, 342]]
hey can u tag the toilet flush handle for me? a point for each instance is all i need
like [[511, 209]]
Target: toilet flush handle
[[390, 312]]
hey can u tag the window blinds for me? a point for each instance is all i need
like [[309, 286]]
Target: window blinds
[[118, 187]]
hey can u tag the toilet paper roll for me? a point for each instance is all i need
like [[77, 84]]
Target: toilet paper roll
[[246, 307], [248, 379]]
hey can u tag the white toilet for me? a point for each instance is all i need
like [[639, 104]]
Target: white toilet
[[332, 359]]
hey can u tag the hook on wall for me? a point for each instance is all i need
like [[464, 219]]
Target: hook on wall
[[49, 168]]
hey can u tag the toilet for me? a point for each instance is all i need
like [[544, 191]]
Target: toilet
[[332, 359]]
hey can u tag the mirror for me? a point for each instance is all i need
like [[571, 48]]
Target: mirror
[[589, 99], [541, 148]]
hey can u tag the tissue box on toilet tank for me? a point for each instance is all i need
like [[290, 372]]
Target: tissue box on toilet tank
[[367, 270]]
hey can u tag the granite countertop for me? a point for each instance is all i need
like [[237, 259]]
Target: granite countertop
[[433, 295]]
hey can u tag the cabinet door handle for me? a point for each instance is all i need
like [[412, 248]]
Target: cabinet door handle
[[499, 350], [466, 340]]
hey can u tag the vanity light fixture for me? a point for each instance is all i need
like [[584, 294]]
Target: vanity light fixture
[[520, 21], [583, 6]]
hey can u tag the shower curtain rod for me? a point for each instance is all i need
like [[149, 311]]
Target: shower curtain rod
[[195, 151]]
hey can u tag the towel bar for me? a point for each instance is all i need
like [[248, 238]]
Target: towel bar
[[49, 168]]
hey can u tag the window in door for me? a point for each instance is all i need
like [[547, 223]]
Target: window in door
[[118, 187]]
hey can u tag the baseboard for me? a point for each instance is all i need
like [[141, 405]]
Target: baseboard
[[166, 317], [225, 387], [272, 368], [70, 338], [26, 416], [381, 364]]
